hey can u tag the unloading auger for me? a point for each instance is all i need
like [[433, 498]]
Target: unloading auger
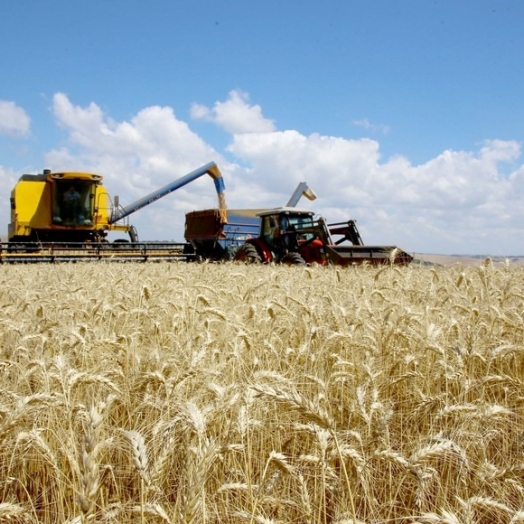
[[211, 169]]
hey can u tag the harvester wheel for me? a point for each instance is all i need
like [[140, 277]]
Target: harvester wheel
[[293, 259], [248, 253]]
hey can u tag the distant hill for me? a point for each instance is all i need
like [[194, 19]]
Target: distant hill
[[464, 260]]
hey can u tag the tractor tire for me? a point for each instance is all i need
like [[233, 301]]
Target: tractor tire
[[248, 254], [293, 259]]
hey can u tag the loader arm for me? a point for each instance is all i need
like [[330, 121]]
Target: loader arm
[[348, 230], [211, 169]]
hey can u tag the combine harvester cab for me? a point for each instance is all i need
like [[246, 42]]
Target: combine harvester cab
[[59, 207]]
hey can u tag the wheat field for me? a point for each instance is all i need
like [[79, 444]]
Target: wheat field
[[201, 393]]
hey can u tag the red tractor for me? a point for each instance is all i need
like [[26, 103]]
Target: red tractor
[[297, 237]]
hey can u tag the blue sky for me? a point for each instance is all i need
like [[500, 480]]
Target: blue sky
[[405, 115]]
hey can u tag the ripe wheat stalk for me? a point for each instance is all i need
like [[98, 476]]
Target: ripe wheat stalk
[[207, 393]]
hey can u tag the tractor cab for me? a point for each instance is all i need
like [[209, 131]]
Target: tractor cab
[[286, 230], [73, 198]]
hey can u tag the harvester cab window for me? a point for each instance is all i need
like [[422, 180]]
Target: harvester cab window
[[73, 203]]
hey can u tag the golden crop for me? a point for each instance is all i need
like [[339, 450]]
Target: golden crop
[[200, 393]]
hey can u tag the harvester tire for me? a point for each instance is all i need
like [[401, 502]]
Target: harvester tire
[[293, 259], [248, 253]]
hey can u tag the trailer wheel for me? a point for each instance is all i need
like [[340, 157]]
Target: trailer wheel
[[293, 259], [248, 253]]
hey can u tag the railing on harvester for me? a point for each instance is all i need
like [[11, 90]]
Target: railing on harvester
[[28, 252]]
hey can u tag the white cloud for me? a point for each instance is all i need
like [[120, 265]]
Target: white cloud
[[137, 157], [366, 124], [14, 121], [235, 115], [450, 204], [154, 143], [154, 131], [458, 202]]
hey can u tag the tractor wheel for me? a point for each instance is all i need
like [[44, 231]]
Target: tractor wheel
[[248, 253], [293, 259]]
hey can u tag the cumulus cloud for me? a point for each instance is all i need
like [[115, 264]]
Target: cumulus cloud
[[152, 143], [137, 157], [152, 134], [14, 121], [457, 202], [450, 204], [235, 115]]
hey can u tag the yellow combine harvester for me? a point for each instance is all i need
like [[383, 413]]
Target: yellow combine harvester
[[61, 207], [68, 215]]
